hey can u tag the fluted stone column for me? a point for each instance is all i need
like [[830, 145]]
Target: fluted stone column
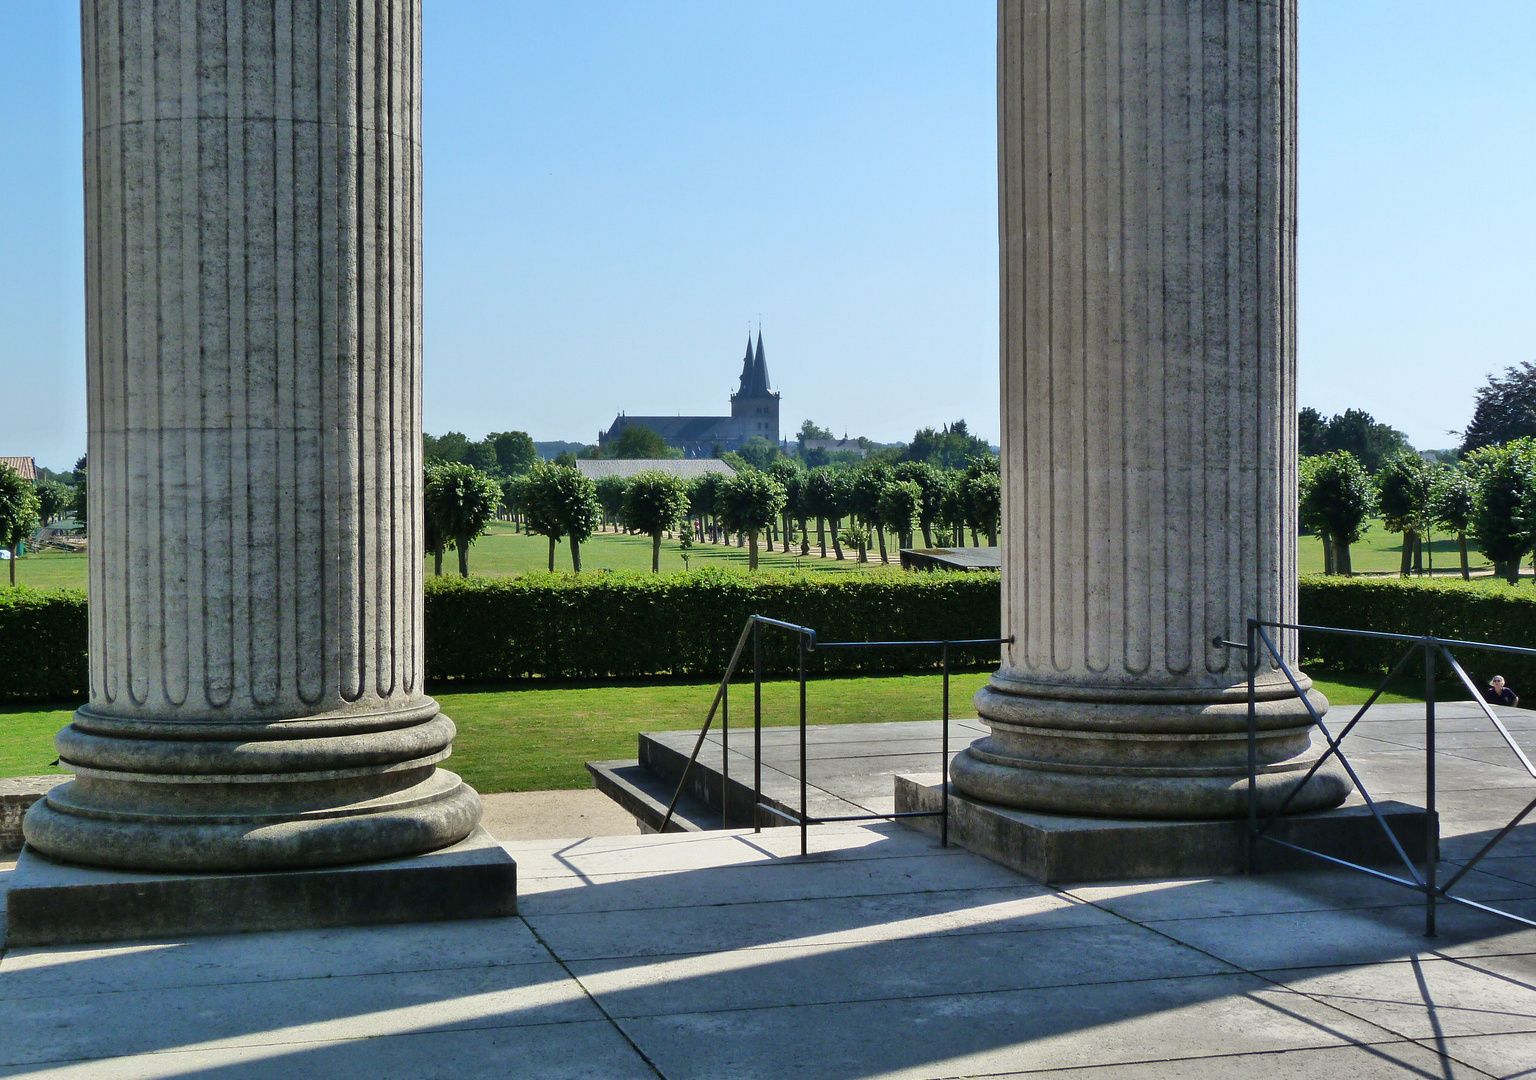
[[1147, 219], [253, 255]]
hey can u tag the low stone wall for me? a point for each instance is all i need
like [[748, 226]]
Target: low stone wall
[[16, 794]]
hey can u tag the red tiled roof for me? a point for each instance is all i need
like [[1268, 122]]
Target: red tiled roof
[[24, 465]]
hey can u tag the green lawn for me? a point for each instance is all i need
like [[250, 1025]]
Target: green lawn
[[1381, 552], [538, 739], [47, 570], [502, 552]]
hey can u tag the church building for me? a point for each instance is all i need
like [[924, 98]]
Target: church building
[[754, 411]]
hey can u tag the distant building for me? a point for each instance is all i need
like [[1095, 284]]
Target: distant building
[[24, 465], [754, 411], [833, 446], [687, 468]]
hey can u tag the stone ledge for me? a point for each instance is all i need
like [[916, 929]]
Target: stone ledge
[[1058, 850], [16, 794], [56, 904]]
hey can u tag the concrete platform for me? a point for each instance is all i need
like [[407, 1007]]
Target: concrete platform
[[1056, 849], [53, 903]]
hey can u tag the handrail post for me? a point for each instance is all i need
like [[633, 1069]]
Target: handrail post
[[757, 723], [1253, 747], [803, 824], [944, 760], [1431, 824], [725, 756]]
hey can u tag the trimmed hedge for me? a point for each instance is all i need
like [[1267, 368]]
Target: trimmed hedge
[[603, 625], [43, 640], [633, 625], [1490, 612]]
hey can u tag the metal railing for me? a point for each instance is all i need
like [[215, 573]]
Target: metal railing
[[807, 644], [1433, 649]]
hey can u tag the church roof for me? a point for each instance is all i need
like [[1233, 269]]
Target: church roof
[[686, 468], [677, 429]]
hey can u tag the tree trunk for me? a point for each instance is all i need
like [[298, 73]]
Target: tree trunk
[[463, 559], [551, 554], [1330, 565], [752, 553], [1405, 564], [437, 562], [863, 549], [880, 534], [575, 554], [837, 545], [821, 535], [656, 553], [975, 538], [1418, 554], [992, 535], [805, 538], [1466, 569], [1341, 560], [788, 528], [927, 534], [12, 561]]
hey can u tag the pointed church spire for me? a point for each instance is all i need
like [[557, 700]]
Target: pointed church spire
[[747, 367], [759, 367]]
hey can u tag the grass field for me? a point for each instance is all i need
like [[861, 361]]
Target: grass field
[[1381, 552], [502, 552], [538, 738]]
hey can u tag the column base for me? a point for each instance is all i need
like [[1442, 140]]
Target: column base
[[282, 795], [52, 903], [1059, 849]]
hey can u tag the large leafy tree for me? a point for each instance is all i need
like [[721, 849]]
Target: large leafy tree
[[1505, 409], [515, 452], [445, 448], [951, 447], [18, 512], [1356, 431], [1504, 505], [610, 496], [1451, 503], [820, 499], [639, 441], [462, 500], [1403, 488], [748, 503], [654, 502], [1339, 497], [562, 502]]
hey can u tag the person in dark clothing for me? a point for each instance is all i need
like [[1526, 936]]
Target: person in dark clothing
[[1499, 692]]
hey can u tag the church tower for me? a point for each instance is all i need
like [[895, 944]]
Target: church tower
[[753, 405]]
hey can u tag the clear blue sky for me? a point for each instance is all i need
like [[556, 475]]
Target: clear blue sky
[[613, 190]]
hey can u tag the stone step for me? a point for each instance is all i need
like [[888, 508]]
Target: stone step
[[645, 795]]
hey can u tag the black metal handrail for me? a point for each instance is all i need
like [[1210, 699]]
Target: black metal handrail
[[1433, 649], [807, 644]]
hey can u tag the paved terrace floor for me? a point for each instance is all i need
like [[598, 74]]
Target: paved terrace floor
[[722, 955]]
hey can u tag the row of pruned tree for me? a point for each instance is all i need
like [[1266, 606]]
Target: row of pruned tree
[[1489, 496], [24, 505]]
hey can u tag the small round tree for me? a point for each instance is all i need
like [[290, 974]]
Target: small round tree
[[53, 500], [787, 472], [1402, 492], [610, 496], [1339, 497], [18, 512], [749, 501], [864, 497], [984, 496], [899, 503], [1504, 505], [653, 503], [562, 502], [822, 500], [1451, 503], [928, 480], [462, 500]]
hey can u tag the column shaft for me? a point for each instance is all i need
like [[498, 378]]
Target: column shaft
[[253, 263], [1147, 230]]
